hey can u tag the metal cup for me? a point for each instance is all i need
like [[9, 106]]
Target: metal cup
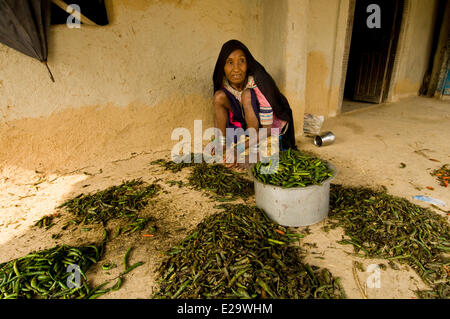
[[323, 139]]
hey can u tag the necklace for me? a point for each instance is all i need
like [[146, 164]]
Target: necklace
[[238, 94]]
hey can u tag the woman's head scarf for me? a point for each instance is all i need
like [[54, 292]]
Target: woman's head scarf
[[263, 80]]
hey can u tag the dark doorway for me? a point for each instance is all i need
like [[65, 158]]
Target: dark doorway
[[372, 51]]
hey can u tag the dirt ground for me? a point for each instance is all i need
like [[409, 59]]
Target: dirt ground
[[370, 145]]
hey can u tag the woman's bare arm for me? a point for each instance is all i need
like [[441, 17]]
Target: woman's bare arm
[[250, 117], [221, 108]]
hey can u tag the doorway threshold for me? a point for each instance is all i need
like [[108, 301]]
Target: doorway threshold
[[352, 106]]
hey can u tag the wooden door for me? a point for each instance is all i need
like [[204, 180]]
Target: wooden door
[[371, 49]]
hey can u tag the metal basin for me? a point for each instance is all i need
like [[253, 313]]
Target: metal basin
[[297, 206]]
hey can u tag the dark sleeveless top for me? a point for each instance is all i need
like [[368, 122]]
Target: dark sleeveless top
[[236, 117]]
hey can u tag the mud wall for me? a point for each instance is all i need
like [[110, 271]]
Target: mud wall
[[327, 21], [284, 46], [122, 87], [414, 48]]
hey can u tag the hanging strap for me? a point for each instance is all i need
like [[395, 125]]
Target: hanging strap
[[49, 71]]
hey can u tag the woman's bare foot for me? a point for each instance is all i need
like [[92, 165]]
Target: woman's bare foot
[[239, 166], [243, 166]]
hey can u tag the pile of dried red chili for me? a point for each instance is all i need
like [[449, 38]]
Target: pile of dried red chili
[[443, 175]]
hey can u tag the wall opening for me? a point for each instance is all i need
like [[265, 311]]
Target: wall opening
[[375, 32]]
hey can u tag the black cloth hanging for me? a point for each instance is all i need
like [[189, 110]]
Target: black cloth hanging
[[265, 83], [94, 10], [24, 26]]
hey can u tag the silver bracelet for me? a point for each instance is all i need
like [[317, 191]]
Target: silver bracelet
[[222, 140]]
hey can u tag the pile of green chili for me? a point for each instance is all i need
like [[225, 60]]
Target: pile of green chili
[[379, 225], [216, 178], [292, 169], [121, 201], [45, 274], [221, 181], [240, 253], [179, 162]]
